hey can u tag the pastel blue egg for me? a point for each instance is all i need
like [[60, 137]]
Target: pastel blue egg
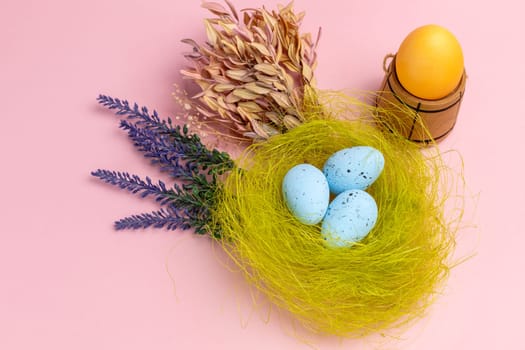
[[349, 218], [306, 193], [354, 168]]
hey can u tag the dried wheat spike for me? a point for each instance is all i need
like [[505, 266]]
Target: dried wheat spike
[[252, 70]]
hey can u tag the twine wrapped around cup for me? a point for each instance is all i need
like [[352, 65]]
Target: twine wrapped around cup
[[430, 120]]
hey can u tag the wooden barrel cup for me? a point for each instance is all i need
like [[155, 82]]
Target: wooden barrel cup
[[417, 119]]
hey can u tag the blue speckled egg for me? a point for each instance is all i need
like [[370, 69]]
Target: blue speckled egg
[[306, 193], [353, 168], [349, 218]]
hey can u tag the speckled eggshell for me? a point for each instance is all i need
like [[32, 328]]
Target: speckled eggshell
[[353, 168], [349, 218], [306, 193]]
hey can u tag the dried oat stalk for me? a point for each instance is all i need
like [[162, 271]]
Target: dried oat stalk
[[253, 69]]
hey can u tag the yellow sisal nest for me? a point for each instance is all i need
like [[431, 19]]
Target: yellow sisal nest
[[384, 281]]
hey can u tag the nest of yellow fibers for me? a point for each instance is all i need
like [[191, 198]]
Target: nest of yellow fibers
[[384, 281]]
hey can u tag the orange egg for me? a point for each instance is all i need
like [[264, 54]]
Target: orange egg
[[429, 63]]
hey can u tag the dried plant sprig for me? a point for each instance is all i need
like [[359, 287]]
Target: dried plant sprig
[[184, 157], [253, 69], [173, 147], [134, 184], [167, 218]]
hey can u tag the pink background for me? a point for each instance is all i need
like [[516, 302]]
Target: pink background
[[69, 281]]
